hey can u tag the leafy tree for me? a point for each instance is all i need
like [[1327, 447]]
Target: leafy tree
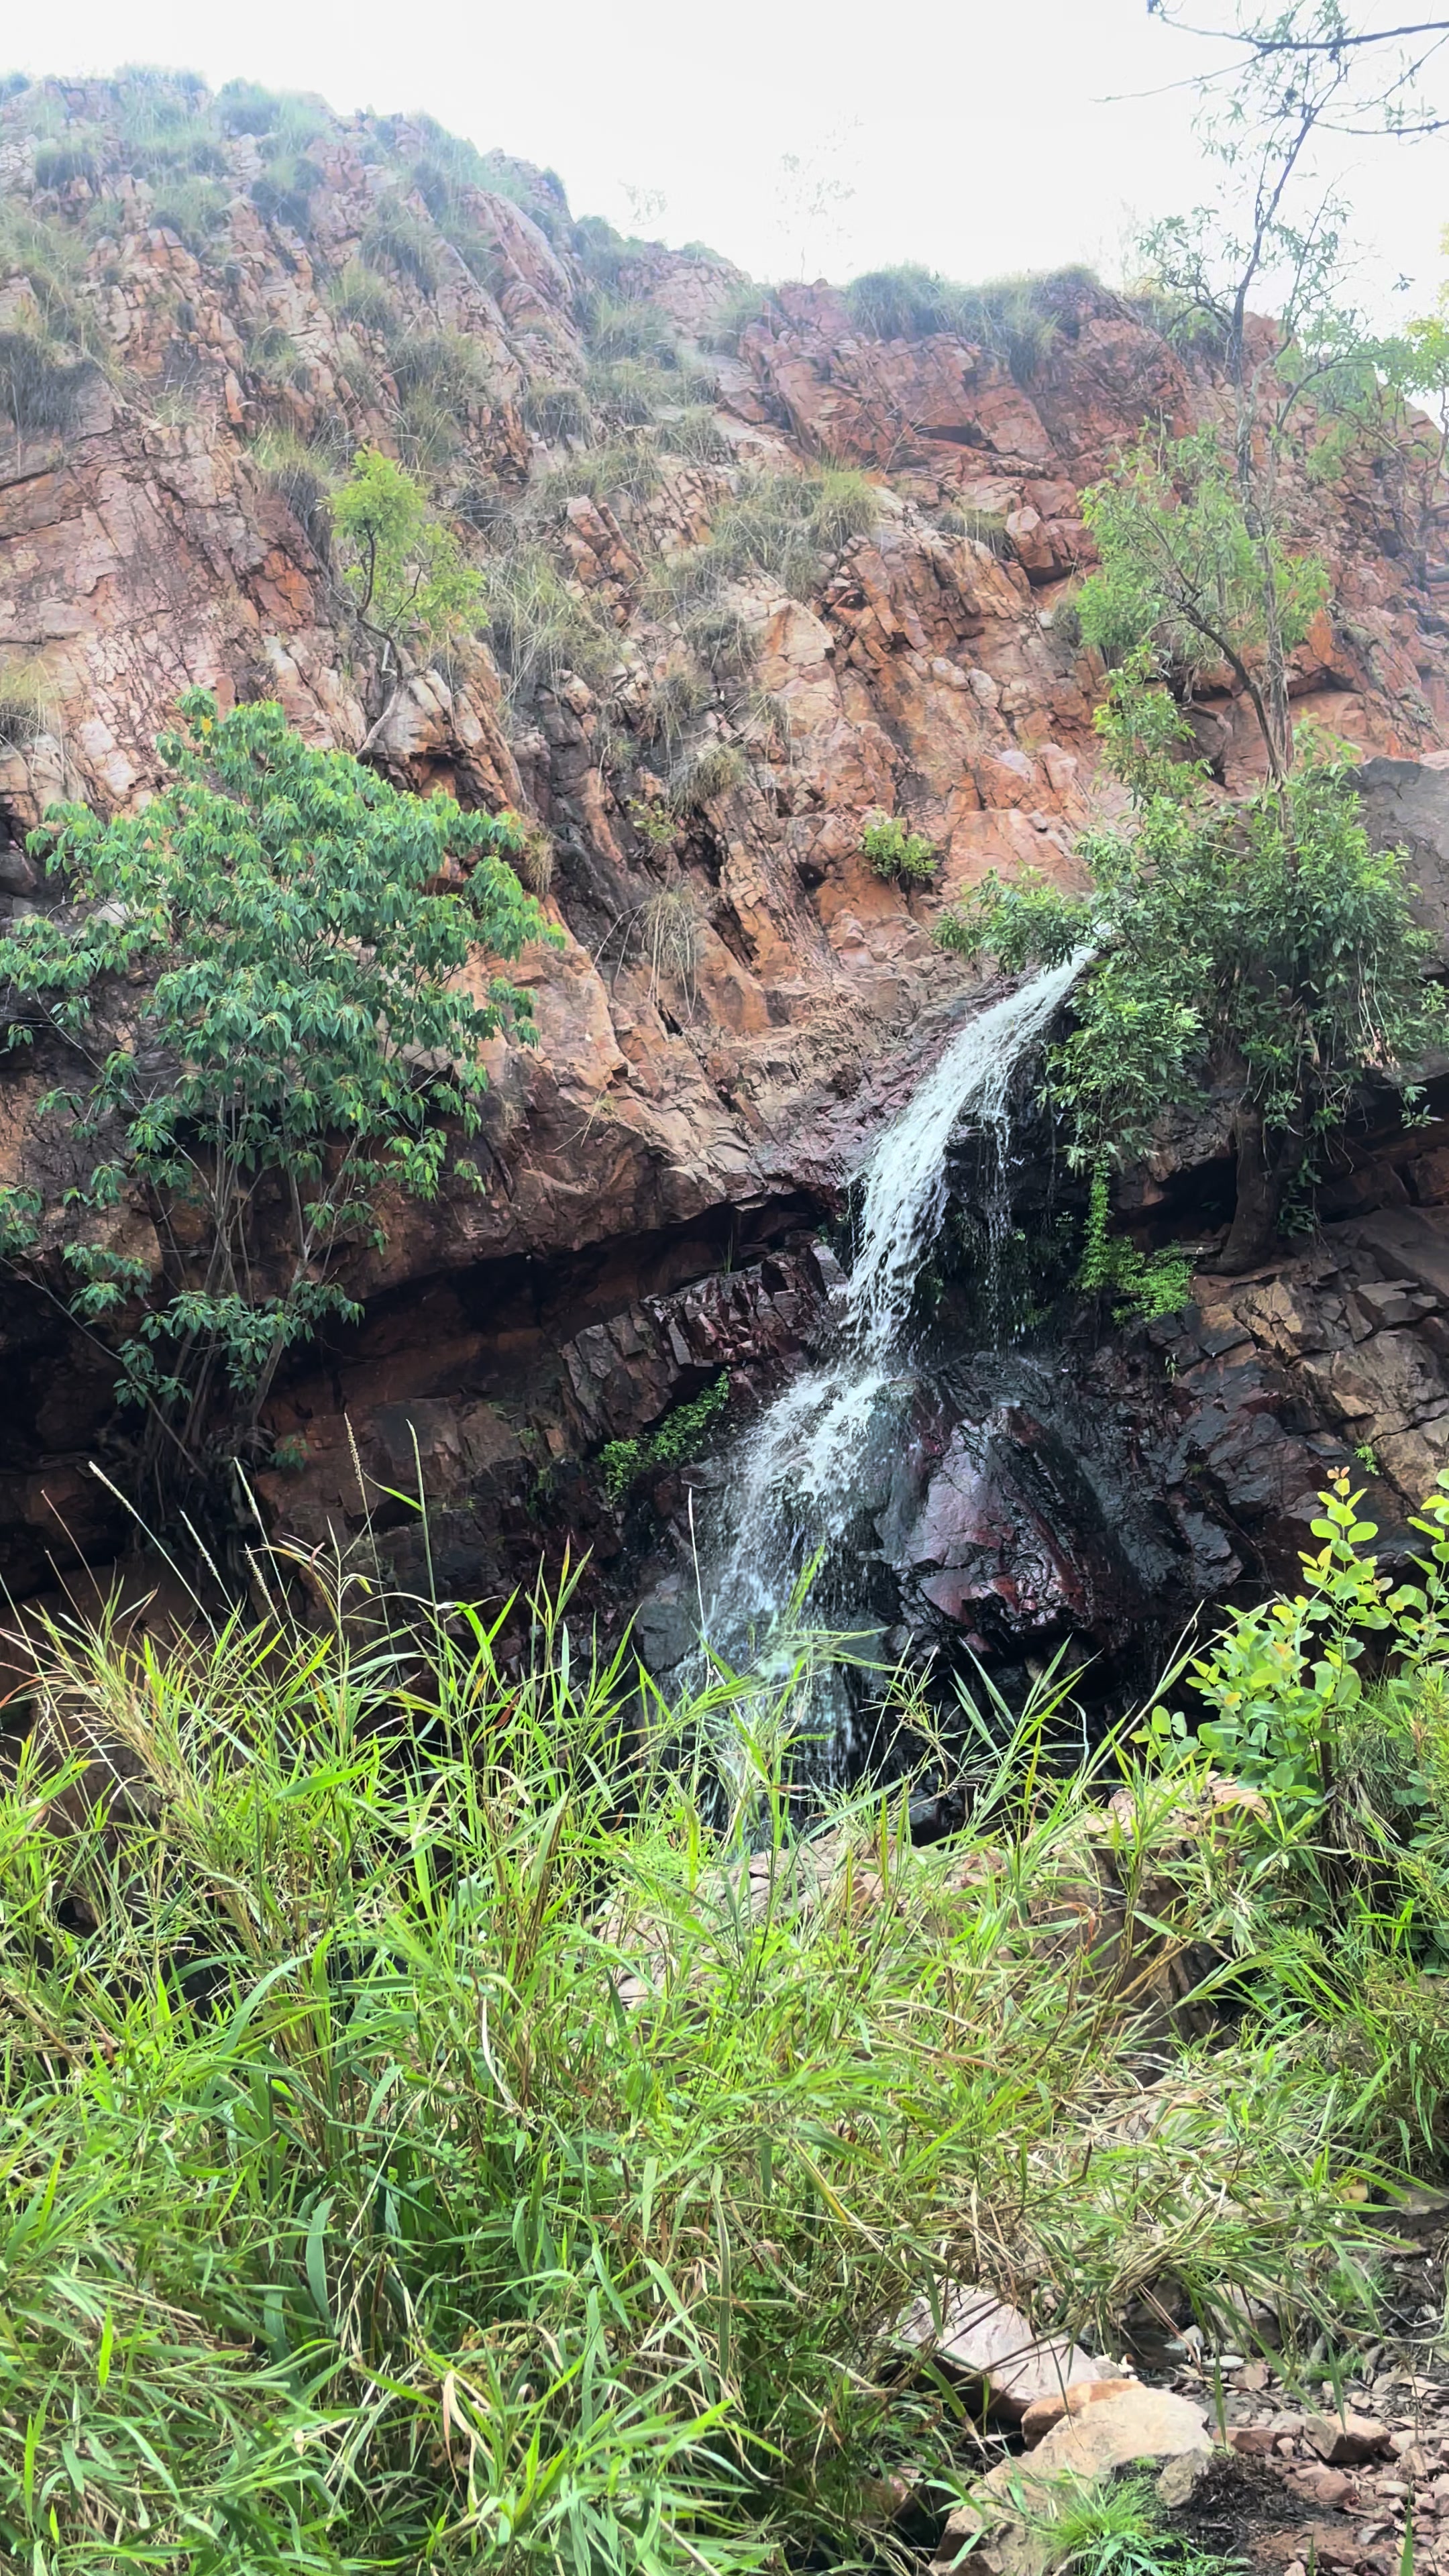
[[1266, 945], [404, 571], [1181, 568], [301, 1046]]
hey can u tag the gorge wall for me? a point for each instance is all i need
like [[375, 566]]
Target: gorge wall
[[232, 296]]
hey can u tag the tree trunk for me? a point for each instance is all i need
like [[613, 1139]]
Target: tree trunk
[[1263, 1180]]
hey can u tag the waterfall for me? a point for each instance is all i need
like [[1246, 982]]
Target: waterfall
[[796, 1480]]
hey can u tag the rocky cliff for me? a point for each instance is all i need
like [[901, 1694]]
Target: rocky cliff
[[751, 571]]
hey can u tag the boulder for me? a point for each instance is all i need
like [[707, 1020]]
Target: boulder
[[984, 2338], [1011, 2510]]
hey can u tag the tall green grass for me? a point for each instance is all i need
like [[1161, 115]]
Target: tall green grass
[[458, 2110]]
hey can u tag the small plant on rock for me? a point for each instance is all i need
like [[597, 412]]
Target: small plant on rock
[[906, 858], [680, 1436]]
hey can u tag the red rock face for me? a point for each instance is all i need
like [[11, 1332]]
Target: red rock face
[[666, 1104]]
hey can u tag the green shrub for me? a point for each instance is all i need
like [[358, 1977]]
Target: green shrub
[[403, 570], [895, 853], [1148, 1285], [1266, 945]]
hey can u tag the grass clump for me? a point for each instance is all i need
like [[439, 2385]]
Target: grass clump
[[396, 239], [51, 259], [40, 384], [439, 2104], [667, 928], [902, 857], [673, 703], [362, 295], [986, 528], [695, 433], [283, 192], [304, 475], [24, 703], [194, 209], [244, 107], [555, 412], [541, 628], [626, 467], [70, 157], [1018, 319], [747, 304], [725, 640], [705, 774], [790, 526]]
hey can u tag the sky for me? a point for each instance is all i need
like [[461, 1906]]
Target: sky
[[799, 137]]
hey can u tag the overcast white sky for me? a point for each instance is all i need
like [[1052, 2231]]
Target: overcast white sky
[[975, 135]]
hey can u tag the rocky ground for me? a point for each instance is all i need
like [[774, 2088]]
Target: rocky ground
[[1278, 2471]]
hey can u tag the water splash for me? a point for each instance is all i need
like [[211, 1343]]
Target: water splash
[[798, 1477]]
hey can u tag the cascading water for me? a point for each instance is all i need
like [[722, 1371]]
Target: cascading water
[[796, 1481]]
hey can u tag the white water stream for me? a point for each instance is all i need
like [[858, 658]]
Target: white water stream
[[797, 1478]]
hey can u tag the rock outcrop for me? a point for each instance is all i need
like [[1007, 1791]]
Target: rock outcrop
[[660, 1163]]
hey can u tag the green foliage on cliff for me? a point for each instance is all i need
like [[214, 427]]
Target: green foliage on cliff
[[680, 1436], [1265, 945], [906, 858], [252, 991], [1181, 570], [411, 588], [449, 2123]]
